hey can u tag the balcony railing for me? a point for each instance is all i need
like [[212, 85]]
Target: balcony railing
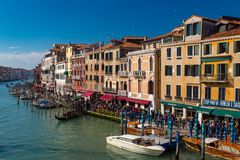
[[109, 90], [220, 78], [123, 73], [122, 93], [192, 99], [77, 77], [178, 98], [168, 97], [139, 74]]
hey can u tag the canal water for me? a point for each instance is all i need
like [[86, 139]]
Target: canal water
[[28, 133]]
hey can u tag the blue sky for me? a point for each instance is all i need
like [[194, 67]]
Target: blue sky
[[30, 27]]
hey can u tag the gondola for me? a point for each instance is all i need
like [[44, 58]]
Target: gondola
[[67, 115]]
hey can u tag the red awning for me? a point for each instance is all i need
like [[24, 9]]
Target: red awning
[[88, 93], [121, 98], [139, 101], [107, 97]]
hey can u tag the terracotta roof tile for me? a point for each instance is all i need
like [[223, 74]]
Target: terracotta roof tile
[[232, 32]]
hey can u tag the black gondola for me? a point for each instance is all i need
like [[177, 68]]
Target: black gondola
[[67, 115]]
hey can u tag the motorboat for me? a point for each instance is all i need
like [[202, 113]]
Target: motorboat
[[136, 144], [215, 147]]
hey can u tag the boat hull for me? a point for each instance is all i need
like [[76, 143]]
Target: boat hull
[[133, 147], [196, 145]]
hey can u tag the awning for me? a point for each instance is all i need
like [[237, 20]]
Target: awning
[[139, 101], [205, 110], [121, 98], [213, 59], [107, 97], [226, 113], [88, 93]]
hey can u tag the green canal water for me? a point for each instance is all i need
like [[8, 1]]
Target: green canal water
[[27, 133]]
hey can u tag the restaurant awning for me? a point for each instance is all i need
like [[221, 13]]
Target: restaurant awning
[[139, 101], [226, 113], [205, 110], [107, 97], [88, 93], [121, 98]]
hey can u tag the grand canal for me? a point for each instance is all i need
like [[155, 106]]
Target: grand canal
[[29, 133]]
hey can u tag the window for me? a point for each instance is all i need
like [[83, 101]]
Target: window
[[102, 56], [151, 64], [139, 64], [168, 70], [154, 45], [237, 94], [190, 51], [110, 69], [208, 69], [139, 86], [150, 87], [118, 55], [168, 90], [86, 77], [189, 92], [129, 85], [102, 79], [168, 52], [221, 93], [178, 91], [195, 92], [178, 70], [116, 69], [207, 92], [196, 50], [207, 49], [237, 46], [192, 70], [236, 69], [222, 47], [130, 65], [90, 77], [90, 56], [103, 67], [179, 52], [193, 29]]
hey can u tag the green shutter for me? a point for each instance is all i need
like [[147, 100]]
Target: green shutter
[[218, 48], [227, 47], [210, 48]]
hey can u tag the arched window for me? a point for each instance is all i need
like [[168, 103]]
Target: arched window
[[139, 64], [117, 85], [110, 85], [125, 86], [130, 65], [106, 85], [125, 66], [151, 64], [150, 87]]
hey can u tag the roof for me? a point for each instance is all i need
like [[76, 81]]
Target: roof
[[175, 32], [229, 19], [130, 45], [130, 136], [203, 18], [232, 32]]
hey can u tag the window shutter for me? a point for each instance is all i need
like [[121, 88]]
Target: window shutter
[[227, 47], [234, 69], [185, 70], [235, 47], [210, 49], [199, 70], [218, 48]]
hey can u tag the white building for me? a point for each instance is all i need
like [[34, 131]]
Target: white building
[[60, 77]]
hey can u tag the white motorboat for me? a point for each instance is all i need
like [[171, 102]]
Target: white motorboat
[[136, 144]]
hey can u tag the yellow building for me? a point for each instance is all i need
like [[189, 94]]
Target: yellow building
[[221, 68], [113, 57]]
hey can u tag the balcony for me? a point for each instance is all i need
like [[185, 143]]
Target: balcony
[[217, 78], [123, 73], [192, 99], [178, 98], [109, 90], [122, 93], [168, 97], [139, 74]]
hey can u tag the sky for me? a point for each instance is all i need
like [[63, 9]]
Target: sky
[[28, 28]]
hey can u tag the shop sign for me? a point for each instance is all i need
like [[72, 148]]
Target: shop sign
[[220, 103]]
